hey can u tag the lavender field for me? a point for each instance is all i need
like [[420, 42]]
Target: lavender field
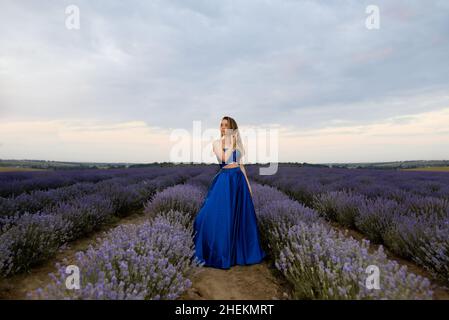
[[407, 212], [302, 213]]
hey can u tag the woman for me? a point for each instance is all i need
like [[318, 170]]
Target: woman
[[226, 231]]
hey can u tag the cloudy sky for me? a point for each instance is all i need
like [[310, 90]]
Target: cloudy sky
[[115, 89]]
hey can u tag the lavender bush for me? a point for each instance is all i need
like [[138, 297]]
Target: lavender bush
[[402, 210], [324, 264], [126, 189], [204, 179], [72, 212], [376, 217], [31, 239], [340, 206], [321, 263], [86, 214], [147, 261], [181, 197], [301, 182], [16, 183], [435, 253]]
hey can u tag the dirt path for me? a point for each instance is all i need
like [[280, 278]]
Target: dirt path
[[253, 282]]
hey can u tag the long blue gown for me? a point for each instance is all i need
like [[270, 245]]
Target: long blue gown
[[226, 231]]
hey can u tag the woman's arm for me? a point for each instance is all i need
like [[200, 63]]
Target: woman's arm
[[218, 150], [246, 177]]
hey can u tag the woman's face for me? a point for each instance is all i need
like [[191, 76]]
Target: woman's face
[[223, 126]]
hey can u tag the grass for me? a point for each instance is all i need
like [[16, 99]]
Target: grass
[[13, 169], [443, 169]]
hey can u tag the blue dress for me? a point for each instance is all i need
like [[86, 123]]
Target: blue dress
[[226, 231]]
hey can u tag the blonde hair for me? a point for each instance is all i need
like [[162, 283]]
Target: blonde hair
[[238, 144]]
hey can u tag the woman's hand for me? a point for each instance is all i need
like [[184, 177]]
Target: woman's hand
[[232, 139]]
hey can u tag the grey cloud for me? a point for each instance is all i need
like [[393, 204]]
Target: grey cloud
[[302, 63]]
